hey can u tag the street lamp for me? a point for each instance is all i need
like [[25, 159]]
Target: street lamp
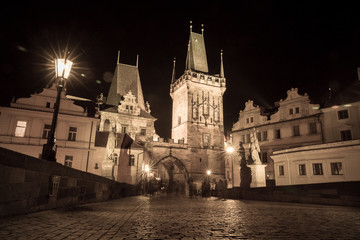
[[230, 149], [62, 71]]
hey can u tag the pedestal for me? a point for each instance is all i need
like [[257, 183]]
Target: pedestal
[[258, 178]]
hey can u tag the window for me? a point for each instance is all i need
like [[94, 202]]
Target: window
[[345, 135], [115, 158], [68, 161], [264, 135], [72, 134], [277, 134], [143, 131], [296, 130], [247, 120], [123, 129], [302, 169], [343, 114], [297, 110], [251, 119], [131, 160], [206, 140], [179, 119], [242, 138], [281, 171], [317, 169], [291, 111], [264, 157], [247, 138], [336, 168], [312, 127], [20, 129], [258, 136], [47, 129], [47, 104]]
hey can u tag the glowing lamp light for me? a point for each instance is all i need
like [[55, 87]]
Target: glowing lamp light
[[208, 172], [147, 168], [347, 105], [63, 68], [230, 150]]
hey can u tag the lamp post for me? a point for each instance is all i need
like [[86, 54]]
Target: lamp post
[[62, 71]]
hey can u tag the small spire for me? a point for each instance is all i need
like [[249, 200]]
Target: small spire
[[202, 29], [173, 72], [118, 59], [137, 60], [190, 26], [221, 64], [188, 64]]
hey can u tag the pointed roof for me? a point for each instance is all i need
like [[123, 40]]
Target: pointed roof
[[126, 78], [196, 57], [221, 65]]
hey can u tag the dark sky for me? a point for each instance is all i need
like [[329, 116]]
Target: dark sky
[[269, 47]]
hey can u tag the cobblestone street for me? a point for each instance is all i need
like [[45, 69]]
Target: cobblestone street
[[183, 218]]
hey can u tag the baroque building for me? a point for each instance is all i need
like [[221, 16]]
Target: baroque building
[[26, 123], [296, 123]]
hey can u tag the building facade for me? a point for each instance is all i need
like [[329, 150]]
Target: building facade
[[295, 123], [26, 123]]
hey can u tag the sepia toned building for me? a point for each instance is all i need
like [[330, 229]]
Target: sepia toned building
[[296, 122]]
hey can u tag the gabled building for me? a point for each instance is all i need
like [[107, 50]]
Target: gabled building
[[26, 123], [296, 123], [124, 114]]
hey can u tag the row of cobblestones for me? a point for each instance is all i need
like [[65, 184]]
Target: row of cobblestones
[[183, 218]]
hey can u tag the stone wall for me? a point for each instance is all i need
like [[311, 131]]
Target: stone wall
[[340, 193], [25, 184]]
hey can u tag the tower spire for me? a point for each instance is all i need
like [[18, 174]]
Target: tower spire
[[137, 60], [188, 62], [221, 64], [190, 26], [118, 58], [202, 29], [173, 72]]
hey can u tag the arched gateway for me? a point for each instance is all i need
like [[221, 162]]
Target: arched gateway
[[173, 175]]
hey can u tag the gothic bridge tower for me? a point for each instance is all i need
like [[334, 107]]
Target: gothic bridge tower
[[197, 110]]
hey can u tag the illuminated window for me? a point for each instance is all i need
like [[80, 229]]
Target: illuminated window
[[343, 114], [345, 135], [46, 132], [312, 127], [302, 169], [317, 169], [206, 140], [68, 161], [281, 170], [20, 129], [72, 134], [336, 168], [296, 130]]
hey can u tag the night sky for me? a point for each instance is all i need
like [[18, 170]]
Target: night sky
[[269, 47]]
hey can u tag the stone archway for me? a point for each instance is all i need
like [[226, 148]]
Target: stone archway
[[178, 176]]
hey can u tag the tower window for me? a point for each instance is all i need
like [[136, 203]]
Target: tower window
[[179, 119]]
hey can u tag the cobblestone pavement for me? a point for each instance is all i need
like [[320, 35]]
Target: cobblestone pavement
[[183, 218]]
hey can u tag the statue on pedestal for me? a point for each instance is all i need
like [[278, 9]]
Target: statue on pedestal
[[254, 148]]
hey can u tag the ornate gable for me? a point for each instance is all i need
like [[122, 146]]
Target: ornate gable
[[129, 105]]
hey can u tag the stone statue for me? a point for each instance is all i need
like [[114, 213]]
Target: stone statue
[[254, 148]]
